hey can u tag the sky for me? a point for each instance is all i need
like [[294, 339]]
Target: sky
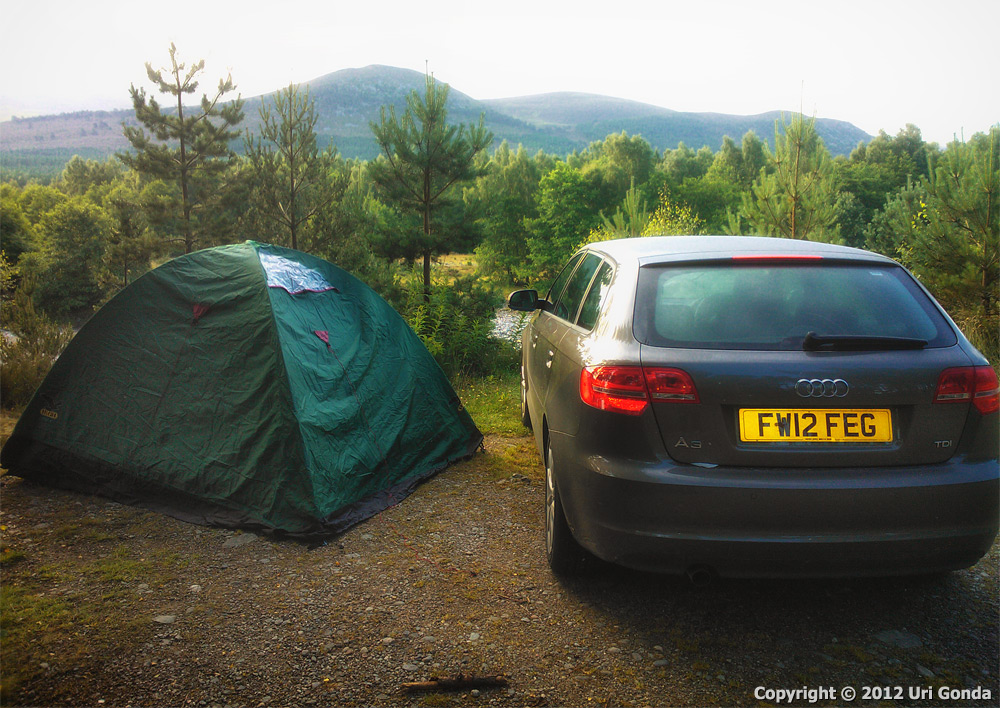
[[879, 64]]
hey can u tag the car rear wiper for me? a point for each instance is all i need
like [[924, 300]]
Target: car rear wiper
[[853, 342]]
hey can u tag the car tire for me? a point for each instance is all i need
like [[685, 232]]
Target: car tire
[[566, 556], [525, 414]]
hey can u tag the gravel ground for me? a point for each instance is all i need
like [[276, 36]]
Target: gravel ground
[[107, 605]]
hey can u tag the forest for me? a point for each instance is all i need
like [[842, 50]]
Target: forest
[[194, 179]]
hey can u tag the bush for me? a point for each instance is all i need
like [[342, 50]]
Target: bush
[[28, 346], [456, 326]]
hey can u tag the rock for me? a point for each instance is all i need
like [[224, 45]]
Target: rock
[[239, 540], [195, 588], [476, 693], [924, 671], [410, 667], [474, 637], [165, 619], [614, 650], [896, 638], [637, 656], [388, 640], [661, 662]]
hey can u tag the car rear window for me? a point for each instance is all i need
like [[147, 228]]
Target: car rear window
[[773, 306]]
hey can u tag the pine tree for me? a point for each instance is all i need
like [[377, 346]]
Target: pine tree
[[795, 197], [424, 159], [955, 246], [286, 162], [183, 147]]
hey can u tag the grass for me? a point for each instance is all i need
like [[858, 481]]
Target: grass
[[31, 623], [455, 265], [494, 403]]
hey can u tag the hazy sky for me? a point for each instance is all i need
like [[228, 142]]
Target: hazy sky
[[878, 63]]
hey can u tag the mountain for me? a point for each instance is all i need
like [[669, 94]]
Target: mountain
[[588, 117], [347, 100]]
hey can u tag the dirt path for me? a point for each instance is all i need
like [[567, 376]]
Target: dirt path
[[114, 606]]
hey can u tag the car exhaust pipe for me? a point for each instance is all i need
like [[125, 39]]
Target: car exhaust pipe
[[700, 576]]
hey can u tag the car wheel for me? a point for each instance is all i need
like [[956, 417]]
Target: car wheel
[[566, 556], [525, 415]]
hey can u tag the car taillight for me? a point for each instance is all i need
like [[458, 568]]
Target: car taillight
[[987, 395], [614, 388], [628, 389], [671, 385], [977, 384]]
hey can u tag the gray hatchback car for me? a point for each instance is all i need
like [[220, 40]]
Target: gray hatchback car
[[748, 406]]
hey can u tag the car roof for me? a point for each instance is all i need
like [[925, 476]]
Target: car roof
[[663, 249]]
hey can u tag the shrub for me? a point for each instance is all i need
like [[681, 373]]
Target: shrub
[[456, 325], [28, 346]]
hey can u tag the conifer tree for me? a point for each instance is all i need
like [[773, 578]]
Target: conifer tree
[[286, 162], [424, 159], [795, 198], [955, 244], [183, 146]]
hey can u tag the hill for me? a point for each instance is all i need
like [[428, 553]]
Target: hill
[[347, 100]]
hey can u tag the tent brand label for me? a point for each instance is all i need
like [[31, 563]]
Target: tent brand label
[[49, 414]]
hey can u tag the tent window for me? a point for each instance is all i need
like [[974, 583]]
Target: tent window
[[291, 276]]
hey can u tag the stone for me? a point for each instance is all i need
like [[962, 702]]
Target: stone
[[165, 619], [239, 540], [896, 638]]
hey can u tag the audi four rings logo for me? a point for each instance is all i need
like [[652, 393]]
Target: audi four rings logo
[[821, 388]]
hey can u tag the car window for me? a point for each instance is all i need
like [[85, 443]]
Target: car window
[[765, 306], [560, 282], [569, 302], [595, 298]]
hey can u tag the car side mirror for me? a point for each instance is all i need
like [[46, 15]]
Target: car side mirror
[[525, 301]]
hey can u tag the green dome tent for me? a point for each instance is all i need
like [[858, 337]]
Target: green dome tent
[[248, 386]]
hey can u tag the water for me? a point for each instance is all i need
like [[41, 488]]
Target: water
[[508, 325]]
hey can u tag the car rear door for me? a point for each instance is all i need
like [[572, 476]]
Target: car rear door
[[542, 334]]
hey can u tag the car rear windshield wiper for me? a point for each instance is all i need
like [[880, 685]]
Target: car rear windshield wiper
[[852, 342]]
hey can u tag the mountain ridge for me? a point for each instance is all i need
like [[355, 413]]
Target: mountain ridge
[[348, 99]]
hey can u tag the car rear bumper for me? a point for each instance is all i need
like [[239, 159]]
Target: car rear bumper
[[778, 522]]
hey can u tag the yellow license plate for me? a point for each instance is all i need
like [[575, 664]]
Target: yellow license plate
[[841, 425]]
